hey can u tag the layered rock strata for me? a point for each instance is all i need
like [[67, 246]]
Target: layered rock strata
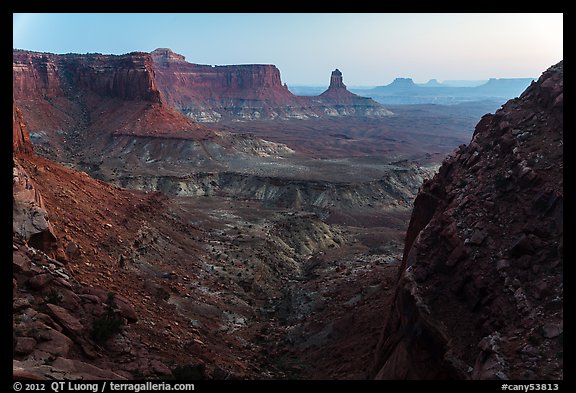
[[66, 98], [248, 92]]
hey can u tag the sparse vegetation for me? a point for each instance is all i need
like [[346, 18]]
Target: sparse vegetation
[[109, 324], [189, 372]]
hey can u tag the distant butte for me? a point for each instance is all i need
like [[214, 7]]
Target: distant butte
[[337, 88], [347, 103], [336, 80]]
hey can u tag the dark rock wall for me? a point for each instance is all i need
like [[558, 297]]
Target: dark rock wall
[[480, 294]]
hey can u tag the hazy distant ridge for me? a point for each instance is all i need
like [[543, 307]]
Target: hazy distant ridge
[[405, 91]]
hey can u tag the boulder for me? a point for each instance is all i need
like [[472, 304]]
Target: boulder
[[54, 343], [40, 281], [65, 319], [25, 345], [29, 216]]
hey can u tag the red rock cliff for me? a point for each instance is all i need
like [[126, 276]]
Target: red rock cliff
[[254, 91], [180, 80], [35, 75], [480, 294], [129, 77], [62, 94]]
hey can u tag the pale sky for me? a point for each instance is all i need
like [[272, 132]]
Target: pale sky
[[369, 49]]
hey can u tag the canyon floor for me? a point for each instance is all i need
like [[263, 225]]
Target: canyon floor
[[270, 268]]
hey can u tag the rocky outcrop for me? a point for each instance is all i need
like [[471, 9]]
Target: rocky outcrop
[[128, 77], [394, 190], [402, 84], [167, 56], [29, 216], [251, 81], [210, 93], [480, 293], [75, 102], [30, 220], [336, 81], [55, 322], [20, 135]]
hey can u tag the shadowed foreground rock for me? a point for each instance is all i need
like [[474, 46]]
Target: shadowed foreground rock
[[480, 292]]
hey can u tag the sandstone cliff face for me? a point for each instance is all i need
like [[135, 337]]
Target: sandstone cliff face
[[480, 293], [47, 75], [35, 75], [209, 93], [157, 94], [128, 77], [249, 82], [247, 92], [30, 220], [67, 97], [252, 81]]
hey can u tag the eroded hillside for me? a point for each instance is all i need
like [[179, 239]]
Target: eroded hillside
[[218, 281], [146, 243]]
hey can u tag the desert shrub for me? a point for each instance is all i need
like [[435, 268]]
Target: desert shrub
[[109, 324], [53, 297]]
